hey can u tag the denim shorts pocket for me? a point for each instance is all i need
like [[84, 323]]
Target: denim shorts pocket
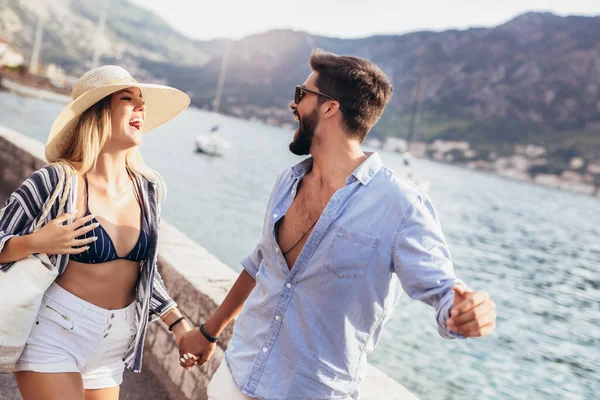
[[55, 315], [351, 253]]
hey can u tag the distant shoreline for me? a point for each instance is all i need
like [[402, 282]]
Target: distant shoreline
[[596, 194], [512, 179]]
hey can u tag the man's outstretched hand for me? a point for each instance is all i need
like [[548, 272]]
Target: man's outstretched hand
[[473, 313]]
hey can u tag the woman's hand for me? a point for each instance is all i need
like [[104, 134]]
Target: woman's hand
[[59, 237], [181, 330], [195, 349]]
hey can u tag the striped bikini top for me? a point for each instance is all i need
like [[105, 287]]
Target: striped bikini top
[[103, 249]]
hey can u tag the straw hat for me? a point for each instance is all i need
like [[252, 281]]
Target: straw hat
[[163, 103]]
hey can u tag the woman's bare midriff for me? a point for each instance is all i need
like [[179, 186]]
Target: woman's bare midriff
[[109, 285]]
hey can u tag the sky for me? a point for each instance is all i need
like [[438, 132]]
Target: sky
[[200, 19]]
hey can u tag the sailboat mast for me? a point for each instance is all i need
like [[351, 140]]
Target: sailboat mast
[[416, 108], [99, 34], [222, 75], [37, 46]]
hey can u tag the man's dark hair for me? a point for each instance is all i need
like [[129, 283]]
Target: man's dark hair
[[361, 88]]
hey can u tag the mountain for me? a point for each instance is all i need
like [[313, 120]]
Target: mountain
[[533, 80], [132, 33]]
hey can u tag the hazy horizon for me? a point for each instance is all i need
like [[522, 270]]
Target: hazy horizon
[[353, 20]]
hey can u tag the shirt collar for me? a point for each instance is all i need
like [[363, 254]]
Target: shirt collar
[[300, 169], [369, 168], [364, 173]]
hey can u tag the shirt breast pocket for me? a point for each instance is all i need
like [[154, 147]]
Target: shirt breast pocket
[[351, 253]]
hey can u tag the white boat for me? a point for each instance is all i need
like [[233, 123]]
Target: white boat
[[212, 144]]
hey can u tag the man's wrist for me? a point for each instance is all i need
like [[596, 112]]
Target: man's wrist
[[212, 327], [208, 336]]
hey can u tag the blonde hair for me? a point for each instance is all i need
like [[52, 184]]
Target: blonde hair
[[91, 133]]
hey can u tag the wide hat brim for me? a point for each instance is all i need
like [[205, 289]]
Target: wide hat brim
[[163, 103]]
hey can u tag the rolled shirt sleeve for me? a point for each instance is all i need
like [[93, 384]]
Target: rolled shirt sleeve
[[160, 302], [13, 222], [252, 263], [423, 263], [25, 205]]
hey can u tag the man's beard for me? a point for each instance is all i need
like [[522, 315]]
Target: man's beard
[[306, 131]]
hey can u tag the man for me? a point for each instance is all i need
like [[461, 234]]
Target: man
[[339, 228]]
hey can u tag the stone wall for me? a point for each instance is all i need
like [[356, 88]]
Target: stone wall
[[196, 279], [20, 156]]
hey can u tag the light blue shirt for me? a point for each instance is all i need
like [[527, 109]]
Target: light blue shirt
[[306, 333]]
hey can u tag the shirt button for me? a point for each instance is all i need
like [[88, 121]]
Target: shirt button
[[112, 316], [289, 285], [265, 349], [277, 318], [105, 336], [110, 326], [274, 215]]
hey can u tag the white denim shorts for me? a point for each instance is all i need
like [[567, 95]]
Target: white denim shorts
[[72, 335]]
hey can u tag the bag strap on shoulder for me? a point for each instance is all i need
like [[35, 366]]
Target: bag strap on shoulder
[[65, 179]]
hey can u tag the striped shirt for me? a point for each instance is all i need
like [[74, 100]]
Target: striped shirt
[[22, 212]]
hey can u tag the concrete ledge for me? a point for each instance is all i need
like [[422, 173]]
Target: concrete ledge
[[196, 279]]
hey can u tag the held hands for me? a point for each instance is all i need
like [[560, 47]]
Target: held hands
[[59, 237], [194, 349], [473, 313], [180, 331]]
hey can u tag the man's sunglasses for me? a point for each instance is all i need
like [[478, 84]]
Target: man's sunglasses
[[301, 92]]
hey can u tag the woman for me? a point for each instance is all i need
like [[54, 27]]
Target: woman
[[93, 318]]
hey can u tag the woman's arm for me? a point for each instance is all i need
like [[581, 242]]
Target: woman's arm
[[180, 328], [23, 208], [16, 248]]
